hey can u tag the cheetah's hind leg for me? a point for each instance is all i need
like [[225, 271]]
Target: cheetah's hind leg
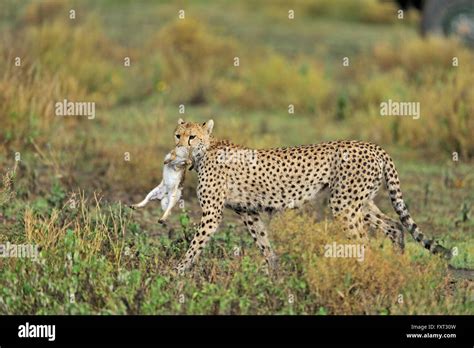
[[377, 220]]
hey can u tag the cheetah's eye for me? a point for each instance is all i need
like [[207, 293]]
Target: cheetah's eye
[[191, 137], [177, 136]]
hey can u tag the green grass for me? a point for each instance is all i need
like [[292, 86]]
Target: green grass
[[111, 260]]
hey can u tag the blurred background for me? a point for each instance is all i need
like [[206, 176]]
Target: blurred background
[[190, 61], [48, 162], [290, 56]]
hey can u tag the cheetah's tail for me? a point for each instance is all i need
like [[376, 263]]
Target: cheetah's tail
[[393, 185]]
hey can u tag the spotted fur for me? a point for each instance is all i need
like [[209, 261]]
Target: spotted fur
[[254, 181]]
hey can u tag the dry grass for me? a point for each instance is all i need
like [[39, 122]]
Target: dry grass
[[402, 73], [273, 83], [367, 11], [384, 282], [192, 57]]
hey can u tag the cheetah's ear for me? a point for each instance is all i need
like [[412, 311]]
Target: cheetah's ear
[[208, 126], [181, 121]]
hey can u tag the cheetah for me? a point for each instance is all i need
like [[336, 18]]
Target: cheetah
[[170, 189], [251, 182]]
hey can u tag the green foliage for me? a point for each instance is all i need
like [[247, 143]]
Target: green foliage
[[100, 261]]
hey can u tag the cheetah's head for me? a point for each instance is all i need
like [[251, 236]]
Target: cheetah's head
[[195, 136]]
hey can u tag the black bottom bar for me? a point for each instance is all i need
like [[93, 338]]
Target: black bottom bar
[[288, 330]]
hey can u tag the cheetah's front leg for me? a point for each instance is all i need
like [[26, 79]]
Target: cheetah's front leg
[[211, 217]]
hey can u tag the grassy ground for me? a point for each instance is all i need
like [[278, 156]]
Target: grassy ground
[[70, 190]]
